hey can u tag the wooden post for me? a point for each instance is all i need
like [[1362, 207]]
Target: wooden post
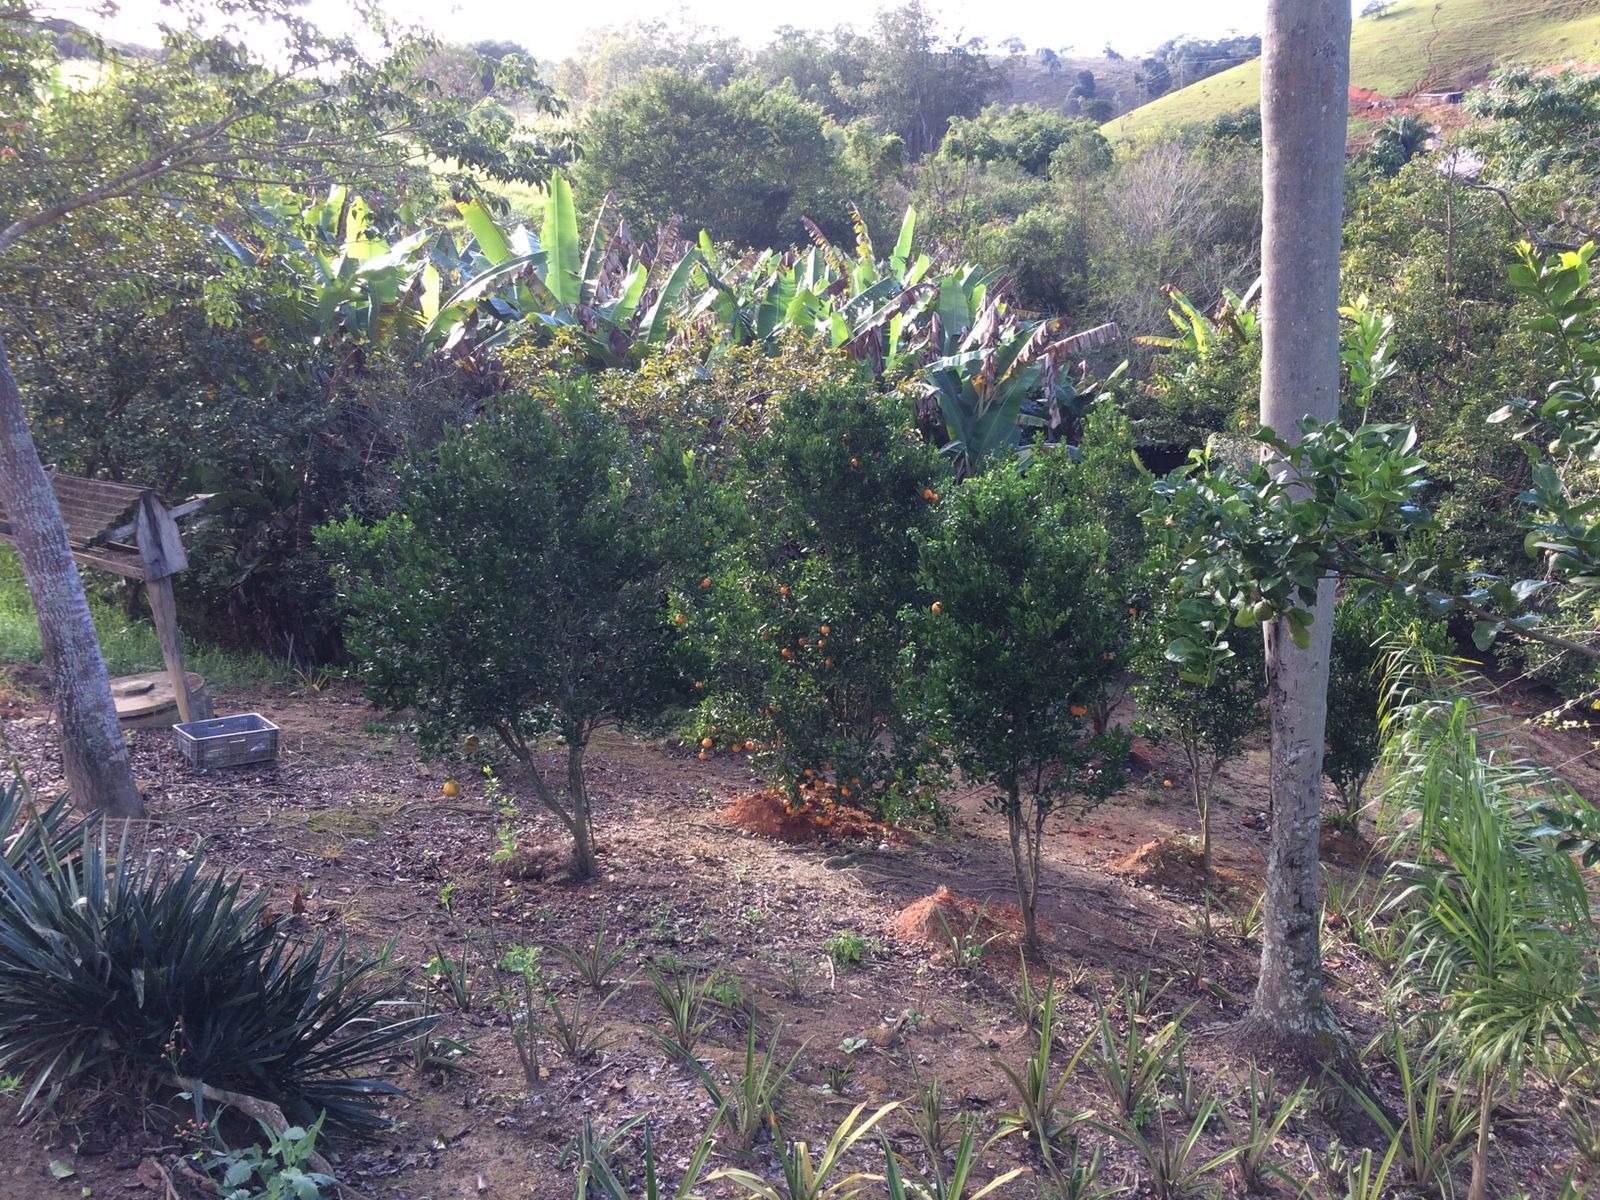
[[162, 551]]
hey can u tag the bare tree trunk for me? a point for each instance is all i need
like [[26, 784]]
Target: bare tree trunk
[[583, 863], [1304, 109], [94, 755]]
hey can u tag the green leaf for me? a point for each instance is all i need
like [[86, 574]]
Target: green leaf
[[60, 1170], [559, 239], [492, 243]]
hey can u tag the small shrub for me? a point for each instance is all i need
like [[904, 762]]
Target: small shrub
[[845, 949], [275, 1172], [794, 625], [1018, 630]]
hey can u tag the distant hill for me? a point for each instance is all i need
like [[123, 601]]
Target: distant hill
[[1415, 46], [1024, 79]]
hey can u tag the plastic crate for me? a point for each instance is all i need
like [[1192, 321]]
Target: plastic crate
[[228, 741]]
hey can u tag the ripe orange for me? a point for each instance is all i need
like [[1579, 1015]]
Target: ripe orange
[[825, 631], [451, 788], [735, 748], [827, 662], [844, 791], [702, 756], [680, 619], [749, 745], [699, 685], [706, 582], [705, 743], [855, 462], [937, 608], [821, 642], [1078, 710], [927, 494], [784, 590], [1166, 783], [786, 652]]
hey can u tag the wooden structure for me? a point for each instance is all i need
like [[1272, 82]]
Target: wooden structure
[[126, 530]]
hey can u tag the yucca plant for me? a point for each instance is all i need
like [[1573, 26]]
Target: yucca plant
[[750, 1104], [942, 1184], [1255, 1134], [1435, 1126], [1037, 1088], [122, 972], [685, 998], [1130, 1065], [598, 1175], [594, 961], [805, 1178], [1174, 1168]]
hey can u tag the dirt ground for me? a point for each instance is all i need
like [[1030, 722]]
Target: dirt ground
[[351, 821]]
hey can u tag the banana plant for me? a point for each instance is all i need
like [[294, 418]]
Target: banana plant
[[615, 293], [1234, 316], [1004, 377]]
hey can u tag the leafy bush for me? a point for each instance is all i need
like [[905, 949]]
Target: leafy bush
[[121, 974], [1362, 631], [1210, 718], [521, 588], [1017, 635], [797, 624]]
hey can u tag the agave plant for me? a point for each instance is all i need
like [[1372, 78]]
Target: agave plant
[[122, 971]]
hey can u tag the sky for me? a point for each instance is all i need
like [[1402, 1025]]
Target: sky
[[553, 30]]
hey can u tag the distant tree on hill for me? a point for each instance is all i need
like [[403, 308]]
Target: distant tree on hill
[[744, 162], [1155, 78], [1025, 134], [1014, 45], [1377, 8], [1397, 142], [1112, 54], [1098, 110], [912, 84], [1050, 59], [1085, 82]]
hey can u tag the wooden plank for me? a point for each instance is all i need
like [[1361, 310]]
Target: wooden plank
[[159, 543], [164, 613]]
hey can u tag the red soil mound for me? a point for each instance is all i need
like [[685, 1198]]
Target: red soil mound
[[1175, 863], [819, 820], [998, 925]]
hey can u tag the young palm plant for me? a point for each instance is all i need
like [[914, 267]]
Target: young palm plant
[[1498, 920]]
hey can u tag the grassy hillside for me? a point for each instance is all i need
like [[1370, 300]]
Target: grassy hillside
[[1419, 45], [1025, 80]]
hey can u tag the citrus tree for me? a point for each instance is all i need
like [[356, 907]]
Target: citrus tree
[[1015, 636], [520, 588], [1209, 717], [797, 622]]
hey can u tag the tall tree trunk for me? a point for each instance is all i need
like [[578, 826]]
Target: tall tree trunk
[[94, 755], [1304, 108]]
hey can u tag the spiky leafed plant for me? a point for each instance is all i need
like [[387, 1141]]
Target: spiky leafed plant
[[1498, 918], [117, 971]]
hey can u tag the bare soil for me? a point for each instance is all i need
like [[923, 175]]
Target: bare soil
[[350, 836]]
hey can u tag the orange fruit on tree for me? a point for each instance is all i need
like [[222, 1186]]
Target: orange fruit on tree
[[702, 756], [705, 743], [786, 652], [706, 582], [1078, 710], [784, 590], [854, 462], [827, 662], [927, 493], [821, 642], [680, 619], [749, 745], [937, 608], [825, 631], [451, 788], [699, 685]]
